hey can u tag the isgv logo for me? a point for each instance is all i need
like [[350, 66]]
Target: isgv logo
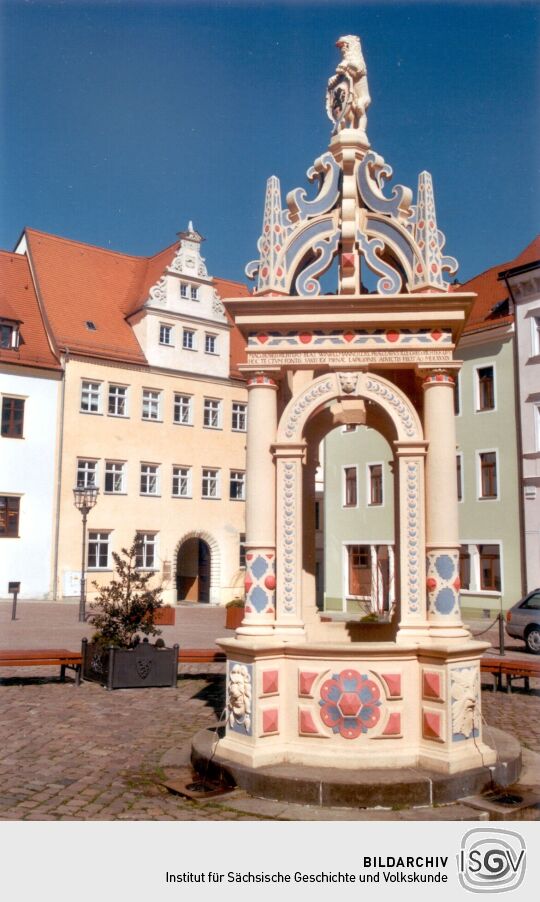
[[491, 861]]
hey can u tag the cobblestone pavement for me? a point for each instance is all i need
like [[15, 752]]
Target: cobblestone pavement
[[89, 754], [71, 753]]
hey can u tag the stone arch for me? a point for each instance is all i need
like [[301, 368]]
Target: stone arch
[[409, 450], [215, 560], [341, 385]]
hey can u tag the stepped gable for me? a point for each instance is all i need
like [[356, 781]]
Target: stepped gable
[[18, 303], [491, 291]]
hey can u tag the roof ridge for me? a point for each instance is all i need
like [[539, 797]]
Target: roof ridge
[[484, 272], [97, 247], [12, 254], [508, 264], [231, 281]]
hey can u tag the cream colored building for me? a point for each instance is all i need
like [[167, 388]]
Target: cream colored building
[[149, 414]]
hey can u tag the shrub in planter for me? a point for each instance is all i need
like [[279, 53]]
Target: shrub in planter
[[125, 608], [234, 613]]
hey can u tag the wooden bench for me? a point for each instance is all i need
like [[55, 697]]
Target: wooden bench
[[512, 669], [45, 657], [493, 667], [200, 656], [519, 670], [65, 659]]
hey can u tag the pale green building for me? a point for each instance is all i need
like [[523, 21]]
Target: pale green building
[[359, 485]]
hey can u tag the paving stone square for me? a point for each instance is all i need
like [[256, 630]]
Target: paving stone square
[[85, 753]]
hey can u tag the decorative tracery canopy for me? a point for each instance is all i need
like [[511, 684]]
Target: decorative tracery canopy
[[350, 217]]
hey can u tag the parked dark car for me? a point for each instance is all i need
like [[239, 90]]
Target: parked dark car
[[523, 621]]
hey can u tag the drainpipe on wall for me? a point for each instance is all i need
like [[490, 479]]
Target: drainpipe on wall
[[519, 427], [65, 359]]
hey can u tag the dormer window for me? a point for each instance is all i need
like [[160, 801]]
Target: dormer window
[[9, 335], [90, 325]]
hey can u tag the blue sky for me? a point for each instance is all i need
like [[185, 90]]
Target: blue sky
[[122, 120]]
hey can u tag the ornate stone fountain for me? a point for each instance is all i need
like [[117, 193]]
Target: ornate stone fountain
[[349, 696]]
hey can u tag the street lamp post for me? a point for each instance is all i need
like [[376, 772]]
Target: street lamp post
[[85, 497]]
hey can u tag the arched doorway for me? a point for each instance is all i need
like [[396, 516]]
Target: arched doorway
[[193, 568]]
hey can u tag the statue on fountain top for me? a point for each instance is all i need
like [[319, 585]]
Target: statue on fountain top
[[347, 95]]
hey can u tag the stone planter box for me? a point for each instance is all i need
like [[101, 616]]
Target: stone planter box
[[234, 616], [130, 668]]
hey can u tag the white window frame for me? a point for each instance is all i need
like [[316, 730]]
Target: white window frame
[[194, 292], [346, 551], [115, 396], [167, 329], [367, 543], [473, 547], [147, 472], [147, 541], [182, 473], [152, 397], [476, 369], [479, 495], [459, 455], [100, 533], [95, 391], [210, 410], [239, 414], [344, 504], [535, 333], [211, 473], [184, 293], [458, 394], [210, 337], [179, 397], [191, 344], [12, 334], [536, 427], [114, 468], [369, 502], [87, 465], [233, 479]]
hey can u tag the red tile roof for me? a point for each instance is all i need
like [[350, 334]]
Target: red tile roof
[[79, 282], [491, 291], [18, 302], [151, 273], [227, 289]]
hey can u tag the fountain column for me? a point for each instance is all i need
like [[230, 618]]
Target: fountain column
[[442, 528], [260, 581]]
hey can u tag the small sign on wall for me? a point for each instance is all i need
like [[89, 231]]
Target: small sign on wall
[[71, 585]]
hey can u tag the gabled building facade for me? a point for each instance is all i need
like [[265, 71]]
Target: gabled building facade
[[150, 414]]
